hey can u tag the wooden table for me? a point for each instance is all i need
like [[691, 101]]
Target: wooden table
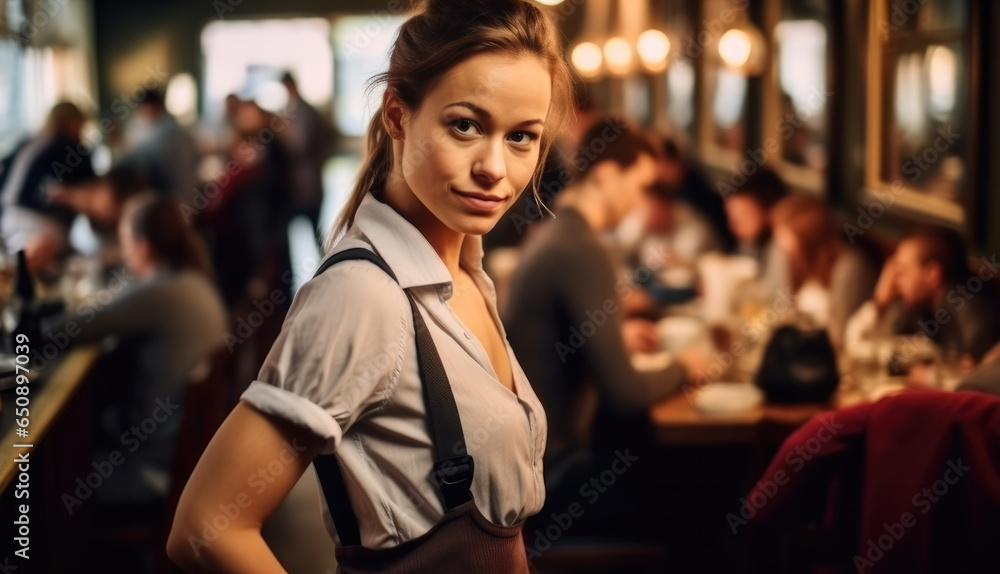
[[676, 421], [49, 396]]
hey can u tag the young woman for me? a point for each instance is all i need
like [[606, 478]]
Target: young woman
[[475, 92], [829, 278], [169, 319]]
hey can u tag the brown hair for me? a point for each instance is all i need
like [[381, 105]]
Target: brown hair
[[612, 139], [946, 248], [63, 117], [441, 35], [173, 243], [764, 187], [812, 223]]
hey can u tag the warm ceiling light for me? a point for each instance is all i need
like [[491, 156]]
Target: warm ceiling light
[[653, 47], [587, 58], [550, 2], [618, 53], [734, 48]]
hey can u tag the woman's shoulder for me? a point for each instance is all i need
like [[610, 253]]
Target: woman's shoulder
[[353, 287]]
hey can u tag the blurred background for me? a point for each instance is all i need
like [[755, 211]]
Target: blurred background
[[224, 136]]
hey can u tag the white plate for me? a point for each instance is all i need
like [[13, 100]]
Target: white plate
[[728, 398]]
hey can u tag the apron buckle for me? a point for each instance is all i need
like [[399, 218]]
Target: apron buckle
[[454, 478]]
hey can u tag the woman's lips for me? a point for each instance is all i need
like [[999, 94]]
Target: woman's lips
[[480, 201]]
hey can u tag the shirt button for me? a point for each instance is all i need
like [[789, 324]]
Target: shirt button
[[468, 336]]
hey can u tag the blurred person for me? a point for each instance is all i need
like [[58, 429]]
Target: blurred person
[[168, 319], [927, 288], [566, 325], [342, 385], [666, 236], [55, 156], [246, 217], [748, 213], [158, 147], [102, 200], [308, 139], [676, 173], [829, 279]]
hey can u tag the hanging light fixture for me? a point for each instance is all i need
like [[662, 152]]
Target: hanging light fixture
[[618, 56], [734, 48], [742, 48], [587, 55], [653, 48], [587, 58]]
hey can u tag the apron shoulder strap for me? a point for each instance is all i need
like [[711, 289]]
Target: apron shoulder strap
[[453, 467]]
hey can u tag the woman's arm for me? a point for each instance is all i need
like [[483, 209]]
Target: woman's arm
[[248, 468]]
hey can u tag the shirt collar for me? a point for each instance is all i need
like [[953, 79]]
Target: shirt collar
[[407, 251]]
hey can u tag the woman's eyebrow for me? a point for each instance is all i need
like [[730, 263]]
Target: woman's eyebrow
[[485, 115]]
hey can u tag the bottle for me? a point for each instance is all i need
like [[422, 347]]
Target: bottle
[[24, 303]]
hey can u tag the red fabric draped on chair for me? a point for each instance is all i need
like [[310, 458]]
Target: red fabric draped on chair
[[910, 483]]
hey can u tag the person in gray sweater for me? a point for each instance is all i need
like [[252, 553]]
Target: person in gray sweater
[[168, 319], [565, 313]]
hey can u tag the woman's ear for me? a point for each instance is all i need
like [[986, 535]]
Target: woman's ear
[[393, 115]]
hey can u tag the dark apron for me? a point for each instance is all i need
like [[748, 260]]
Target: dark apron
[[463, 540]]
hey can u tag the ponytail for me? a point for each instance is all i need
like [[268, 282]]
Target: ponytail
[[376, 165]]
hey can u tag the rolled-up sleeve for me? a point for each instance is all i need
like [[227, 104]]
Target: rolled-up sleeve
[[339, 353]]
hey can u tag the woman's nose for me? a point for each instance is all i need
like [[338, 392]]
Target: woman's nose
[[490, 165]]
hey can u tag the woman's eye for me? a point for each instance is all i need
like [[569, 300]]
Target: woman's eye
[[523, 138], [464, 126]]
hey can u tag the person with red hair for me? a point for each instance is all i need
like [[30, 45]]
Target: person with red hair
[[829, 278]]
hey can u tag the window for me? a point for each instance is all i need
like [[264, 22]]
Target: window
[[796, 94], [361, 47], [918, 105]]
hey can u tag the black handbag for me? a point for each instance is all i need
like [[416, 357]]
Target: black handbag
[[799, 366]]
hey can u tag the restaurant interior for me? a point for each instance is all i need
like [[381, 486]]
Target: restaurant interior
[[783, 356]]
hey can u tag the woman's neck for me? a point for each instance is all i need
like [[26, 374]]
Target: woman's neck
[[446, 242]]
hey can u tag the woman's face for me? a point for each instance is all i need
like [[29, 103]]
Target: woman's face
[[746, 218], [471, 147]]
